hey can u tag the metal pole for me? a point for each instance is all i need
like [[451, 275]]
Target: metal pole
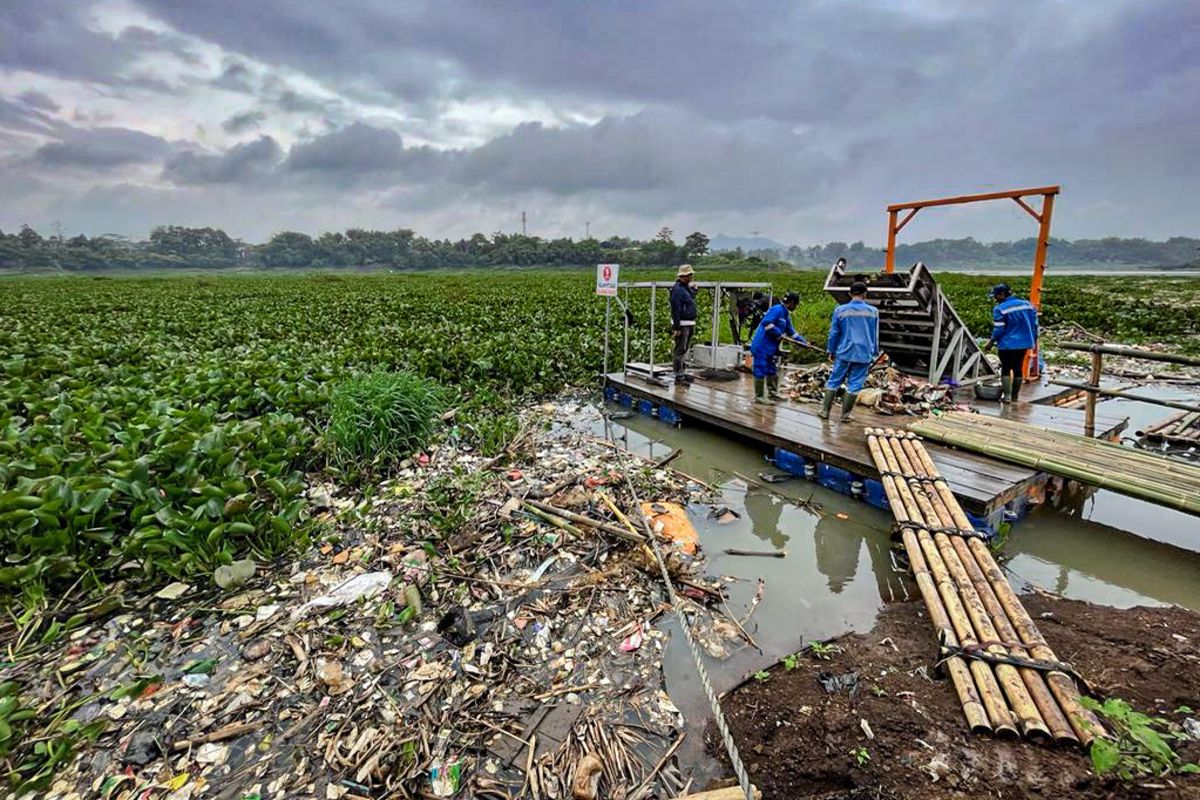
[[716, 325], [625, 349], [607, 321], [889, 264], [1030, 367], [1089, 410], [653, 298], [1140, 398]]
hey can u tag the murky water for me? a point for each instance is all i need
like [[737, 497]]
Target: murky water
[[837, 573]]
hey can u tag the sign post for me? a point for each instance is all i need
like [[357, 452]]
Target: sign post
[[606, 279], [606, 287]]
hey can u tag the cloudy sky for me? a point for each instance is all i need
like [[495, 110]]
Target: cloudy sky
[[800, 120]]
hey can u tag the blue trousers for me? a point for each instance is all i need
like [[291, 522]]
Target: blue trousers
[[764, 364], [854, 375]]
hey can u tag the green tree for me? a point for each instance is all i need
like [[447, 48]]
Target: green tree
[[695, 245]]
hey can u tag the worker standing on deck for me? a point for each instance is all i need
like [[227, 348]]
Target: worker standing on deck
[[764, 347], [1014, 332], [853, 346], [683, 319]]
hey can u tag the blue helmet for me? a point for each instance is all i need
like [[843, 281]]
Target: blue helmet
[[1000, 289]]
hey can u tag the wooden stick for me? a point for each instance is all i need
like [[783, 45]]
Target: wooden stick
[[731, 551], [731, 793], [580, 519], [220, 735]]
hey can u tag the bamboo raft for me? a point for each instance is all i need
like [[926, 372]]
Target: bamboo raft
[[1179, 429], [1149, 476], [978, 617]]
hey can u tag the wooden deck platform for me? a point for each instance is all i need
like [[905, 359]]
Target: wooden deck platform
[[983, 485]]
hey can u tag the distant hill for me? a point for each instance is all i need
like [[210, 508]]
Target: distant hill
[[746, 243]]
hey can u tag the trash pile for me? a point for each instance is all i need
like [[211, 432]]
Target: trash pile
[[889, 391], [478, 628]]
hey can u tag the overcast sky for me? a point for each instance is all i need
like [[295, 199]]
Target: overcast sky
[[801, 120]]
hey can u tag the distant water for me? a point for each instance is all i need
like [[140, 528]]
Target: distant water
[[1052, 270]]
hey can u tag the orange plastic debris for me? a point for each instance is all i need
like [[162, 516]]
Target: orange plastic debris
[[675, 524]]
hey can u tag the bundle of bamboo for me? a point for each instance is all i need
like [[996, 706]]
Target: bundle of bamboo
[[1149, 476], [1000, 665], [1179, 429]]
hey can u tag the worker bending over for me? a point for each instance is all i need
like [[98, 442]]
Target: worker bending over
[[1014, 332], [764, 347], [853, 346], [683, 319]]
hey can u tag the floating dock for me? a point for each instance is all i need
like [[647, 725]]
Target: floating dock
[[833, 452]]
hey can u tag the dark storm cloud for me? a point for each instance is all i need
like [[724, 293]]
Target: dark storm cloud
[[101, 149], [240, 123], [360, 151], [243, 163], [38, 100], [809, 117]]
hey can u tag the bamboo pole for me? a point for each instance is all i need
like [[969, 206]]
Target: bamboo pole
[[1132, 352], [1169, 422], [1019, 699], [1078, 464], [1061, 685], [999, 715], [1051, 713], [960, 675]]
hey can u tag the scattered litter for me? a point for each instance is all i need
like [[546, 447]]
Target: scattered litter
[[846, 682], [233, 575], [866, 728], [1192, 728], [888, 391], [723, 515], [173, 591], [439, 643], [776, 477], [367, 584]]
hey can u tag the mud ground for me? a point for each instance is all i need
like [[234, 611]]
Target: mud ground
[[799, 741]]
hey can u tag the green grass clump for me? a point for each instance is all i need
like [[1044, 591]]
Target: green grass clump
[[380, 418]]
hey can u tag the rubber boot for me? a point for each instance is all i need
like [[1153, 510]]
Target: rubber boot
[[773, 387], [760, 392], [848, 405], [827, 403], [1017, 383], [1006, 387]]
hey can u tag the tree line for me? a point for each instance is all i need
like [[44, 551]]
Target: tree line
[[177, 246]]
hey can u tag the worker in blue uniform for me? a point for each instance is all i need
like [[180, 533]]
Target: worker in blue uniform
[[764, 347], [1014, 332], [853, 347]]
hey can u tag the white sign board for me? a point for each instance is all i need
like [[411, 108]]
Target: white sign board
[[606, 279]]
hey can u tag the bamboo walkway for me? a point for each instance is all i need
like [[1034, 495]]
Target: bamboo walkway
[[1007, 678], [1149, 476]]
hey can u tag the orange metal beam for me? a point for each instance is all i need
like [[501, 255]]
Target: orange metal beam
[[907, 217], [975, 198], [1025, 206]]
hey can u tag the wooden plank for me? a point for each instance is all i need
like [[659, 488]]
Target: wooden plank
[[979, 482]]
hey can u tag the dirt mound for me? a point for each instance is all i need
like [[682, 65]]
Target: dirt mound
[[799, 741]]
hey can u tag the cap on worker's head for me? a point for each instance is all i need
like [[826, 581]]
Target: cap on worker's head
[[757, 296], [686, 269], [1000, 289], [858, 288], [791, 297]]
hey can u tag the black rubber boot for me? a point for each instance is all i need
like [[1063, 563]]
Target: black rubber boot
[[848, 405], [773, 387], [1017, 383], [827, 403]]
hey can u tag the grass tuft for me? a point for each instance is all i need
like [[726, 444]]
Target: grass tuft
[[381, 418]]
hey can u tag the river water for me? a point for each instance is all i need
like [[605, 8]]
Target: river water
[[837, 572]]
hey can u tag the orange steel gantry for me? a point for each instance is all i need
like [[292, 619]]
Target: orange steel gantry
[[1047, 193]]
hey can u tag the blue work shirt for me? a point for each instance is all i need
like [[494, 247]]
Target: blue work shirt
[[854, 333], [1014, 324], [776, 324], [683, 306]]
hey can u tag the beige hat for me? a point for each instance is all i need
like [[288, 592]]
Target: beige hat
[[686, 269]]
